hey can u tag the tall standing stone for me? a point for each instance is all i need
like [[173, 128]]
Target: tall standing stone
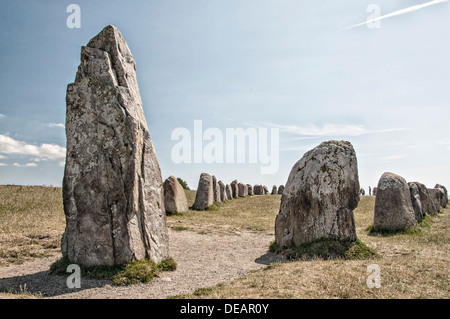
[[242, 190], [257, 190], [274, 190], [444, 199], [426, 202], [112, 188], [281, 189], [393, 206], [234, 189], [216, 190], [222, 191], [229, 192], [205, 193], [319, 196], [250, 190], [175, 200], [265, 190]]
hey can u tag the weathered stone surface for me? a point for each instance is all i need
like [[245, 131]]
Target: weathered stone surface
[[250, 190], [374, 191], [436, 196], [242, 190], [274, 190], [216, 190], [416, 202], [393, 206], [174, 196], [444, 199], [205, 193], [229, 191], [319, 196], [257, 190], [112, 188], [281, 189], [234, 189], [265, 190], [223, 192], [426, 203]]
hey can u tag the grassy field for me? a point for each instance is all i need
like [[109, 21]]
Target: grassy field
[[414, 264]]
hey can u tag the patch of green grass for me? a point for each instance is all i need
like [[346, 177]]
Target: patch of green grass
[[179, 228], [327, 249], [414, 231], [133, 272]]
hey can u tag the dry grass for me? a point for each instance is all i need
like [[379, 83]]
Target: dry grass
[[255, 213], [413, 265], [31, 222]]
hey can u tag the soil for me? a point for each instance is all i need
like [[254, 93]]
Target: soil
[[204, 260]]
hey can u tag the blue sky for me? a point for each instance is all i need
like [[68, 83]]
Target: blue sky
[[240, 63]]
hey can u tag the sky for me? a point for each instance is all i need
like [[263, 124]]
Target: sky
[[313, 71]]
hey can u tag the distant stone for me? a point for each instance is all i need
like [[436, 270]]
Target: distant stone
[[319, 197], [205, 193], [281, 189], [234, 189], [229, 192], [242, 190], [444, 199], [258, 190], [223, 192], [374, 191], [265, 190], [274, 190], [174, 196], [250, 190], [436, 196], [112, 189], [393, 206], [420, 192]]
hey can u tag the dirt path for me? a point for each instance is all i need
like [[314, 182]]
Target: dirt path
[[203, 260]]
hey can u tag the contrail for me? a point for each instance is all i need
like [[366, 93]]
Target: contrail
[[399, 12]]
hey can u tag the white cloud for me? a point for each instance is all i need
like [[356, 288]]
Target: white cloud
[[330, 129], [60, 125], [390, 158], [9, 145], [25, 165], [398, 12], [2, 116], [2, 157], [3, 164]]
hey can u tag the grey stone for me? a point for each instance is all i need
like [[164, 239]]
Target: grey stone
[[265, 190], [426, 202], [229, 192], [174, 196], [274, 190], [205, 193], [374, 191], [436, 196], [319, 196], [112, 188], [250, 190], [444, 199], [281, 189], [234, 189], [242, 190], [223, 192], [393, 206], [216, 190], [257, 190]]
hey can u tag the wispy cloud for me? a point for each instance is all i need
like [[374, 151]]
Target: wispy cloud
[[330, 129], [9, 145], [397, 13], [3, 164], [2, 116], [390, 158], [60, 125], [25, 165]]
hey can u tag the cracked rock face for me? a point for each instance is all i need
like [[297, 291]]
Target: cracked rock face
[[112, 188], [319, 196], [175, 200], [393, 206], [205, 192]]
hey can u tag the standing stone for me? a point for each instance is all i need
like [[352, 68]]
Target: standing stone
[[257, 189], [241, 189], [250, 190], [444, 199], [174, 196], [265, 190], [223, 192], [205, 193], [281, 189], [374, 191], [416, 202], [216, 190], [112, 188], [319, 197], [426, 202], [393, 206], [436, 196], [274, 190], [229, 192], [234, 189]]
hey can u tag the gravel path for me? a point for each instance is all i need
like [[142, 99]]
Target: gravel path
[[203, 260]]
